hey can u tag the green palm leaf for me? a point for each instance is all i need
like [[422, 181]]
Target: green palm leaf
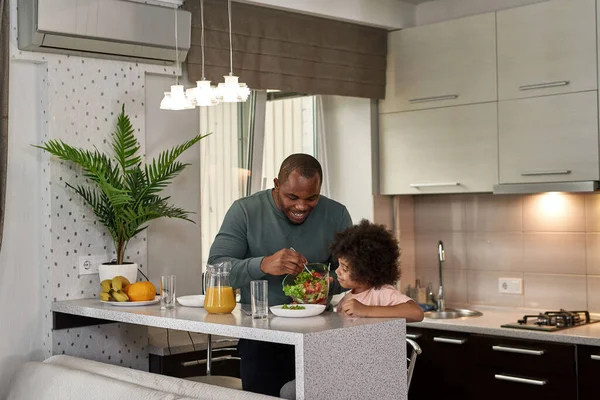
[[126, 197], [125, 145]]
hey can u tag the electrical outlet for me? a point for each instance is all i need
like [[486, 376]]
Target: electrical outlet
[[88, 265], [510, 285]]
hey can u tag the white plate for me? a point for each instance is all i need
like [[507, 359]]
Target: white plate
[[132, 303], [310, 311], [196, 300]]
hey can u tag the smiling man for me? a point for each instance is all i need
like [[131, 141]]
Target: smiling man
[[257, 237]]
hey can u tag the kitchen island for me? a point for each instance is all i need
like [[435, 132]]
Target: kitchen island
[[336, 356]]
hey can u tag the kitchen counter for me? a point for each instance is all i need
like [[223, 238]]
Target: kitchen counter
[[341, 349], [489, 324]]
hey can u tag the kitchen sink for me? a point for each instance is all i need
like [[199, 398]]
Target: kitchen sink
[[451, 313]]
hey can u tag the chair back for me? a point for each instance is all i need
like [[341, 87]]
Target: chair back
[[412, 359]]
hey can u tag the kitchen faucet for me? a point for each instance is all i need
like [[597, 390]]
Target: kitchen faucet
[[441, 300]]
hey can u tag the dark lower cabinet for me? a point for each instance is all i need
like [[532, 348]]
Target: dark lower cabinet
[[588, 362], [444, 366], [183, 365], [469, 366], [493, 385], [521, 369]]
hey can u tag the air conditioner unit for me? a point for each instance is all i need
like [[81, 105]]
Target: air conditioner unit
[[113, 29]]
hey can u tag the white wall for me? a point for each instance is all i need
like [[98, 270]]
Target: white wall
[[388, 14], [77, 100], [442, 10], [21, 272], [173, 244], [349, 126]]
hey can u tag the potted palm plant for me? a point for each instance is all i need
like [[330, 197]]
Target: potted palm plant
[[125, 194]]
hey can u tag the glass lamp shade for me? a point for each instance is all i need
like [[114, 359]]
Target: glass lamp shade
[[203, 95], [165, 104], [231, 91], [176, 100]]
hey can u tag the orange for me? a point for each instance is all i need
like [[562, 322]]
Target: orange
[[140, 291]]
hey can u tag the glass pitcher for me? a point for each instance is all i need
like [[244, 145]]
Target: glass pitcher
[[218, 296]]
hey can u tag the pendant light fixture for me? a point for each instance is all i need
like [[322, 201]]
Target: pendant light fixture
[[231, 91], [176, 99], [203, 94]]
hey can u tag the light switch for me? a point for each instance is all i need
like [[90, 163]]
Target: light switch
[[510, 285]]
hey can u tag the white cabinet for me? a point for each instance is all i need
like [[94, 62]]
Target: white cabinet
[[442, 150], [547, 48], [444, 64], [549, 138]]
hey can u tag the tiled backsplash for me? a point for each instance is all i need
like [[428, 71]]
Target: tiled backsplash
[[550, 240]]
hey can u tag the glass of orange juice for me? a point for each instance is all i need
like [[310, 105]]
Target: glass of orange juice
[[219, 297]]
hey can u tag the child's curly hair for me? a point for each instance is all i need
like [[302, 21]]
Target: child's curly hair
[[372, 252]]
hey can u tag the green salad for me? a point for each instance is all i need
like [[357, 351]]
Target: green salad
[[308, 288], [292, 307]]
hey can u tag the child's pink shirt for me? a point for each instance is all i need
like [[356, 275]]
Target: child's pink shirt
[[386, 295]]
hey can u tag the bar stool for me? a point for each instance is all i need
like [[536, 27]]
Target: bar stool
[[412, 360], [217, 380]]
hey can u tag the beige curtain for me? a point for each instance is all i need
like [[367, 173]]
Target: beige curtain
[[275, 49], [4, 62]]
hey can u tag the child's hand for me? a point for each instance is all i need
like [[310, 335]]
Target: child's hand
[[355, 308]]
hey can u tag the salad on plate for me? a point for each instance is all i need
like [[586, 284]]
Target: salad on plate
[[292, 307]]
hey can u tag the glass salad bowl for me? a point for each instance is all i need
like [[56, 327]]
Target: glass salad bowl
[[308, 287]]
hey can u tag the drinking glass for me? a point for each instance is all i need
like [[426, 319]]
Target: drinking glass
[[259, 299], [167, 292]]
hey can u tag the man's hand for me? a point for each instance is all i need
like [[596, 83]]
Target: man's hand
[[285, 261], [355, 308]]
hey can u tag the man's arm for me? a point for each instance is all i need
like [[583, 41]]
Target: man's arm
[[231, 244]]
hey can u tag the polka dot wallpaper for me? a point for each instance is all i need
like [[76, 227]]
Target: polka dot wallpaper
[[120, 344], [80, 99]]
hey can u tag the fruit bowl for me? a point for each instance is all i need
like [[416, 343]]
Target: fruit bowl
[[308, 287], [120, 290]]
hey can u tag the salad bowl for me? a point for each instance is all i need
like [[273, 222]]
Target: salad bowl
[[308, 287]]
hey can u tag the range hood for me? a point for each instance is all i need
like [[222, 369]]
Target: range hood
[[541, 187]]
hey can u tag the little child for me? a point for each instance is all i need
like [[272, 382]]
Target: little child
[[368, 265]]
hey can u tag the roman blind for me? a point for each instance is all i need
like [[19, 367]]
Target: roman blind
[[275, 49]]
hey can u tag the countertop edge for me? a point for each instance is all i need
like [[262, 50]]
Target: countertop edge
[[562, 337], [117, 315]]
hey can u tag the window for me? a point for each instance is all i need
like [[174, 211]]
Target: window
[[224, 164], [226, 155], [289, 129]]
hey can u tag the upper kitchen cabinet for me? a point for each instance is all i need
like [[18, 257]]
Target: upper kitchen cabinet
[[443, 64], [442, 150], [547, 48], [549, 138]]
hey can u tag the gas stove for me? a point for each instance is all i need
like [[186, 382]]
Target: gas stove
[[551, 321]]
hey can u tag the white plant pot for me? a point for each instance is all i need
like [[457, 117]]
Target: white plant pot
[[109, 271]]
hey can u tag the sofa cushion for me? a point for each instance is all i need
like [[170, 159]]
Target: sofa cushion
[[41, 381], [163, 383]]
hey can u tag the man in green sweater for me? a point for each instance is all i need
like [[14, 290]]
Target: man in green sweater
[[257, 237]]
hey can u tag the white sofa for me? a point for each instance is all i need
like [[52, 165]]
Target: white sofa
[[70, 378]]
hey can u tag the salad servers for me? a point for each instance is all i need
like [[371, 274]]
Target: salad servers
[[305, 267]]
